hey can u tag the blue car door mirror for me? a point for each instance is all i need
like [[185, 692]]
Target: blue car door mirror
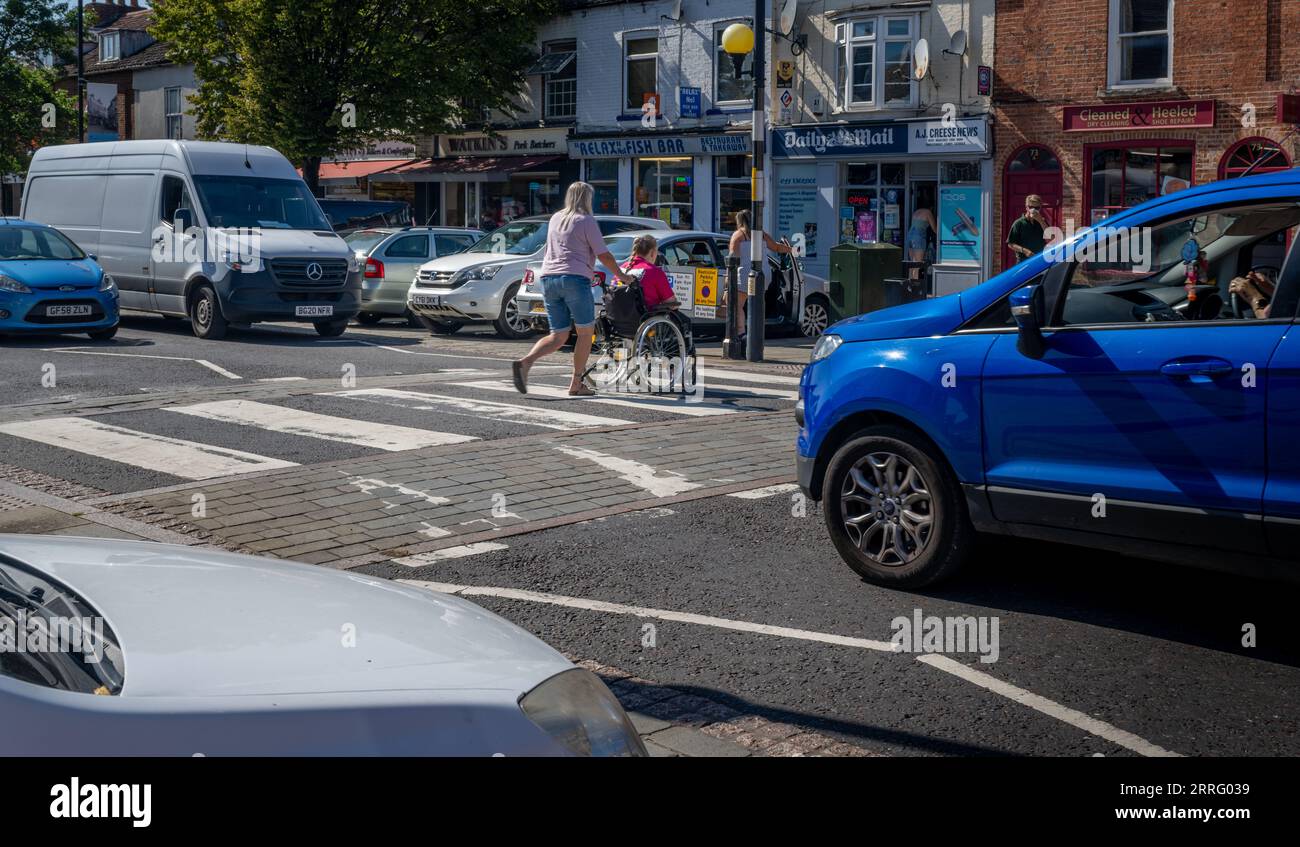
[[1029, 314]]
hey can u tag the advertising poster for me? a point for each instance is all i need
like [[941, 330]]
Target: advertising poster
[[846, 225], [706, 292], [960, 226], [796, 206], [866, 227], [683, 289], [101, 111]]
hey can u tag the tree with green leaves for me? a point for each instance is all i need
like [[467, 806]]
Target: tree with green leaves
[[315, 78], [32, 111]]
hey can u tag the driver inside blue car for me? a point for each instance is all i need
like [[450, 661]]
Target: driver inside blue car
[[1256, 290]]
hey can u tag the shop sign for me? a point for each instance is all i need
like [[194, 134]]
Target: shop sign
[[784, 73], [807, 142], [512, 143], [688, 102], [796, 207], [1167, 114], [379, 150], [630, 146], [954, 136]]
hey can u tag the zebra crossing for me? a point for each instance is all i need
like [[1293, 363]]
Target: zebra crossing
[[224, 438]]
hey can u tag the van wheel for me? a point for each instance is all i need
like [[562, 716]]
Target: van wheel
[[512, 324], [895, 511], [103, 334], [369, 318], [331, 329], [205, 314]]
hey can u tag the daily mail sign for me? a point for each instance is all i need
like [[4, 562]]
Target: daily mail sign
[[623, 147], [949, 137]]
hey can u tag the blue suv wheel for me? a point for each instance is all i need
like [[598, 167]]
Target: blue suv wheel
[[894, 510]]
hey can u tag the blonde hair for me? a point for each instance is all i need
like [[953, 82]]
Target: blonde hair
[[643, 245], [577, 201]]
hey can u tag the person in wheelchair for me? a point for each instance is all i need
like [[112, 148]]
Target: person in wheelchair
[[656, 290]]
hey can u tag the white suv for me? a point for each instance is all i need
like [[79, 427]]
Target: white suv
[[479, 285]]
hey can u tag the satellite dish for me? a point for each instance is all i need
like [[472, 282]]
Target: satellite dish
[[957, 46], [785, 22], [677, 11], [921, 59]]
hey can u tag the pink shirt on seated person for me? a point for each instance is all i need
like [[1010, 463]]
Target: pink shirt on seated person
[[654, 282]]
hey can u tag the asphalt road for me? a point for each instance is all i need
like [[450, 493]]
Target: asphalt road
[[1149, 650]]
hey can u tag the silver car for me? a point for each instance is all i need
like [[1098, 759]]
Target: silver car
[[695, 262], [479, 285], [392, 255], [159, 650]]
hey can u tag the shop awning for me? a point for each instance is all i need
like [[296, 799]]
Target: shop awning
[[474, 165], [355, 170]]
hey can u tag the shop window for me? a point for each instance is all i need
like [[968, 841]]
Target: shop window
[[1256, 155], [641, 63], [560, 83], [871, 203], [874, 62], [728, 86], [1120, 177], [732, 178], [1141, 42], [603, 176], [664, 190]]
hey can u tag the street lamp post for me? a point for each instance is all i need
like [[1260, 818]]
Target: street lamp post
[[738, 40], [81, 73]]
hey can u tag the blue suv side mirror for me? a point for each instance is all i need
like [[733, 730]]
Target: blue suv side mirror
[[1029, 314]]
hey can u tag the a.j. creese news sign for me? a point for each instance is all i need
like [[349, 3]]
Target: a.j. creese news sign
[[961, 137]]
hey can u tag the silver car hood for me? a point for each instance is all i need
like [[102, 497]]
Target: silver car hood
[[201, 622], [461, 261]]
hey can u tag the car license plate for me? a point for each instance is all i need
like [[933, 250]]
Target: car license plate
[[314, 311], [538, 308], [426, 300], [67, 311]]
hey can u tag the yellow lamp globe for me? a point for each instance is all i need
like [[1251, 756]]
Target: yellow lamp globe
[[738, 39]]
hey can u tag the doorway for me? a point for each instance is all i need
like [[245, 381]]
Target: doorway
[[1033, 169], [925, 195]]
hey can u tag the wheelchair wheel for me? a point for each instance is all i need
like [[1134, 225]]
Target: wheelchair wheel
[[665, 359], [610, 359]]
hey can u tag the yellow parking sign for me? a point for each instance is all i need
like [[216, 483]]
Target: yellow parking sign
[[706, 292]]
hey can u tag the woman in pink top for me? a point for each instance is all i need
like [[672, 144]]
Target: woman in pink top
[[655, 287], [573, 246]]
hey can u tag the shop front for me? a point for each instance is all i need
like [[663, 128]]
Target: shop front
[[690, 181], [484, 181], [863, 183]]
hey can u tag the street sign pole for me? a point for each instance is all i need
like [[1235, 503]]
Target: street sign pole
[[756, 319], [81, 74]]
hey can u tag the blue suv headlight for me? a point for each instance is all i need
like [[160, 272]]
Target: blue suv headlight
[[826, 345], [8, 283]]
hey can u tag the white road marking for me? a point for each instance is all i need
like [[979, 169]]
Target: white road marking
[[377, 436], [284, 379], [369, 484], [421, 559], [174, 456], [1091, 725], [674, 406], [641, 475], [509, 413], [659, 614], [204, 362], [762, 493], [1074, 718]]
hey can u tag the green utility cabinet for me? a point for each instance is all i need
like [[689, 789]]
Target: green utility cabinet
[[858, 274]]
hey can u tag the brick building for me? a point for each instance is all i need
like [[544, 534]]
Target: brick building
[[1101, 104]]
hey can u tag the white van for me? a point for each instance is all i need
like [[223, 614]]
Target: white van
[[218, 233]]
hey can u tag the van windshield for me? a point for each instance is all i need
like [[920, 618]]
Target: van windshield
[[245, 201]]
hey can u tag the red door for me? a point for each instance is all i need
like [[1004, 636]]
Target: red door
[[1034, 169]]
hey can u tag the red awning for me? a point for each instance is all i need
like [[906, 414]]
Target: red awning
[[469, 165], [354, 170]]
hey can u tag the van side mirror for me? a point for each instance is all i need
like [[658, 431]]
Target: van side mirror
[[1029, 313], [183, 220]]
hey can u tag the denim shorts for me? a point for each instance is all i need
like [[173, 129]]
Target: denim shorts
[[569, 301]]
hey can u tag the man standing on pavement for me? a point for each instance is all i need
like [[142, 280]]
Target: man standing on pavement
[[1026, 236]]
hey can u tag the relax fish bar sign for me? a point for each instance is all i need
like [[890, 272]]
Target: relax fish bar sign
[[1168, 114]]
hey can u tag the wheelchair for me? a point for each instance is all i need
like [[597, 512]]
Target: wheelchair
[[639, 349]]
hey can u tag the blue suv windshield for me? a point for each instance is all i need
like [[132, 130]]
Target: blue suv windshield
[[245, 201], [29, 243]]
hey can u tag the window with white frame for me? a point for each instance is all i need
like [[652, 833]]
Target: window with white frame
[[874, 62], [728, 85], [560, 83], [641, 68], [1141, 42], [110, 47], [172, 109]]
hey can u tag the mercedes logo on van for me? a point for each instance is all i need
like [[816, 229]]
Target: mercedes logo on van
[[315, 272]]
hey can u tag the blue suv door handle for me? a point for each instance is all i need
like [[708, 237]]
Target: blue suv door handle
[[1196, 370]]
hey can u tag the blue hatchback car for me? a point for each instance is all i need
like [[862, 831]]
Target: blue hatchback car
[[47, 284], [1134, 389]]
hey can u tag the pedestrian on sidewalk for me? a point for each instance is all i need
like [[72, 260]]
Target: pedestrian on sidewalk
[[573, 246], [739, 247], [1026, 236]]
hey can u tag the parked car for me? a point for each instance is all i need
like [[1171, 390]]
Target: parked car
[[197, 651], [794, 299], [348, 216], [1113, 403], [47, 284], [262, 252], [392, 255], [479, 285]]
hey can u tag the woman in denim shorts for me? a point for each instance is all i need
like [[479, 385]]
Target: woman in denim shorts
[[573, 246]]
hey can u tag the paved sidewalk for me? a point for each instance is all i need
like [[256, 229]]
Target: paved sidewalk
[[355, 512]]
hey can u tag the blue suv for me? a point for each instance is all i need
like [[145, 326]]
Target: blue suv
[[1134, 388], [47, 284]]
